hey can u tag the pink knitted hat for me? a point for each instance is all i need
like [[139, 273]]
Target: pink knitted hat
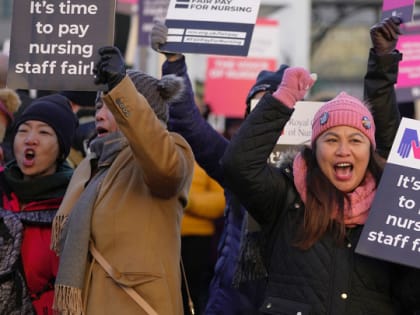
[[344, 110]]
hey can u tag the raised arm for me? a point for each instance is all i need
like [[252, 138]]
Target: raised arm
[[185, 118], [381, 76], [257, 184], [164, 157]]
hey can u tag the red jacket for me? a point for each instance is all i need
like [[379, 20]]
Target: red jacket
[[40, 264], [36, 202]]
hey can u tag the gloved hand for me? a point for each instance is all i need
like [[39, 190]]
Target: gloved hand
[[294, 85], [110, 69], [158, 37], [384, 35]]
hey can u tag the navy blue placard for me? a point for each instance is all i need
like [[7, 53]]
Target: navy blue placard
[[392, 231]]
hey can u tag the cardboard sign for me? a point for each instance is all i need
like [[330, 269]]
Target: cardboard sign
[[401, 8], [392, 231], [54, 44], [222, 27]]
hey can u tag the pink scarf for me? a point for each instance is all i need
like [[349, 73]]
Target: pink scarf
[[361, 198]]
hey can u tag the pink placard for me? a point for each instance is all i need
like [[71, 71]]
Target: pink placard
[[129, 1], [409, 68], [393, 4], [228, 81]]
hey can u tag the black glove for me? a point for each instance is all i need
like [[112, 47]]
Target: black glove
[[110, 69], [384, 35]]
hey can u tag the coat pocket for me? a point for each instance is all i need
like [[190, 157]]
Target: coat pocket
[[278, 306], [132, 279]]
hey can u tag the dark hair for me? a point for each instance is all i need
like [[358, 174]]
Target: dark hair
[[322, 196]]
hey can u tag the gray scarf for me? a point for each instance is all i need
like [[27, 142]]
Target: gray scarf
[[73, 243]]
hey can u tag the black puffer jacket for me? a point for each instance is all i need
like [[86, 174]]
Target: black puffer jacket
[[328, 278]]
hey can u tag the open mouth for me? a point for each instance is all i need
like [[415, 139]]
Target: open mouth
[[29, 154], [29, 157], [101, 131], [343, 170]]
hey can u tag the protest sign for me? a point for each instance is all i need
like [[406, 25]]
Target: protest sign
[[392, 229], [401, 8], [409, 69], [298, 130], [228, 81], [408, 82], [149, 10], [236, 75], [222, 27], [54, 43]]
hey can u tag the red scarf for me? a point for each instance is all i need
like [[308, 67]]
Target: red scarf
[[360, 199]]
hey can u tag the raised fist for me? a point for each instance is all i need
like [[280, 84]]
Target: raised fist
[[295, 84], [110, 69], [384, 35]]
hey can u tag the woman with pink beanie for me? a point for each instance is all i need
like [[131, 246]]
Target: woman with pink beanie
[[313, 207]]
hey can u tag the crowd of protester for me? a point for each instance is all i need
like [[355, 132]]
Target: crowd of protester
[[109, 199]]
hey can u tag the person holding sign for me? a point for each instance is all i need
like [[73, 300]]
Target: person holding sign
[[32, 187], [225, 294], [208, 145], [118, 229], [312, 210]]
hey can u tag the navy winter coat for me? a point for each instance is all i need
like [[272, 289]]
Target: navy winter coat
[[208, 146]]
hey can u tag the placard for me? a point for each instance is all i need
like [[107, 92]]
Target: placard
[[222, 27], [392, 230], [408, 82], [401, 8], [54, 44], [238, 74], [297, 131], [149, 10]]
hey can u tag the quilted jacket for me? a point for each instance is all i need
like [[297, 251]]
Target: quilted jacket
[[208, 146], [328, 278]]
